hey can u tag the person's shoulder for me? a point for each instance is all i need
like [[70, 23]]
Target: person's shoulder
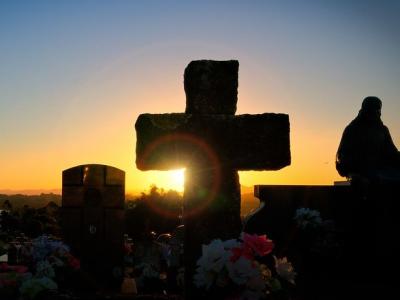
[[385, 129], [350, 127]]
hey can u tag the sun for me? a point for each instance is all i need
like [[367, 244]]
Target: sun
[[177, 179]]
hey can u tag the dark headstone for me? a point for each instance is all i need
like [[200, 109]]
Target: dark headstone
[[93, 199], [280, 202], [360, 218]]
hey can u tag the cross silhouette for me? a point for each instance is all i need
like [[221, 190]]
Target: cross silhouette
[[212, 144]]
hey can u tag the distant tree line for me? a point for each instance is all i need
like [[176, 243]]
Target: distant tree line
[[157, 211], [28, 220], [18, 201]]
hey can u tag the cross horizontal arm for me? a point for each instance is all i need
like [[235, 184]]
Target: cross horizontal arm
[[242, 142]]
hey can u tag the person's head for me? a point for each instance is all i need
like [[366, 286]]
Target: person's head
[[371, 108]]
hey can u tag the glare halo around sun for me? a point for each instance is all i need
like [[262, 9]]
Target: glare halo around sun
[[177, 179]]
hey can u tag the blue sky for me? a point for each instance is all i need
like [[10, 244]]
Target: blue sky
[[75, 75]]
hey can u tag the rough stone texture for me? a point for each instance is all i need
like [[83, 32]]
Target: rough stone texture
[[212, 144], [211, 211], [93, 199], [211, 148], [211, 87], [244, 142]]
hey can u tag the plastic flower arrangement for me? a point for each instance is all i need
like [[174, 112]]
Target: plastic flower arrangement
[[49, 258], [243, 268], [317, 236], [308, 218], [10, 278]]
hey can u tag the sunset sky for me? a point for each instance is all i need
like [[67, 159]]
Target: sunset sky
[[75, 75]]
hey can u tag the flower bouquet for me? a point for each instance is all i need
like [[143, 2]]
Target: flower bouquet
[[53, 266], [48, 266], [10, 278], [317, 245], [243, 268], [317, 236], [307, 218]]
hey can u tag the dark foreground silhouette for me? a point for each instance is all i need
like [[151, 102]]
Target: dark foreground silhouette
[[366, 151]]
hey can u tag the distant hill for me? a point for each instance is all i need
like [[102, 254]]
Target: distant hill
[[30, 192], [249, 202], [35, 201]]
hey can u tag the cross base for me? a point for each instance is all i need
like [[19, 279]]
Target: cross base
[[211, 211]]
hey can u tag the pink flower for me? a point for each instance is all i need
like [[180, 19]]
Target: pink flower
[[74, 263], [260, 244], [238, 252], [20, 269], [3, 267], [8, 282], [128, 249]]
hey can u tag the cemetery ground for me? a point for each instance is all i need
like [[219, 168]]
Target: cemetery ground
[[24, 218], [303, 243], [313, 243]]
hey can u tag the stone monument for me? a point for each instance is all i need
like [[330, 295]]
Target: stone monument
[[212, 144], [93, 199]]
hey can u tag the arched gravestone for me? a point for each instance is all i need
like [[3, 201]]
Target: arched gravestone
[[93, 215]]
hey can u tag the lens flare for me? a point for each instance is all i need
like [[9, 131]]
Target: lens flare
[[206, 158], [177, 179]]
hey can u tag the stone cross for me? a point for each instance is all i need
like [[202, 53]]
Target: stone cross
[[212, 144]]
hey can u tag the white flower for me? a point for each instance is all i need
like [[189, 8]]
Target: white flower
[[214, 256], [204, 278], [233, 243], [307, 217], [241, 270], [285, 269], [211, 264], [44, 269]]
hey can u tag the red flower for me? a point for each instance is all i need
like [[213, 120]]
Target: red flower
[[74, 263], [20, 269], [260, 244], [3, 267], [128, 249], [8, 282], [241, 251]]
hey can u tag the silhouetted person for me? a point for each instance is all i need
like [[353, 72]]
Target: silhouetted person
[[369, 158], [366, 151]]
